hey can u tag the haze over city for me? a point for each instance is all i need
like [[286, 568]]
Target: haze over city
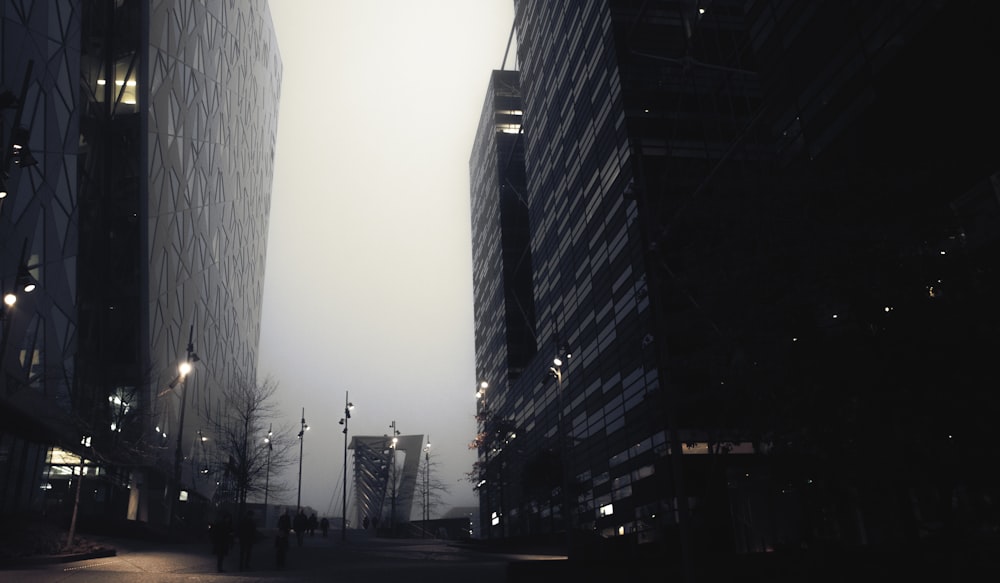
[[368, 286]]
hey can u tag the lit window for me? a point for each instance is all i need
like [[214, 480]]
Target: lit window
[[509, 128], [607, 510]]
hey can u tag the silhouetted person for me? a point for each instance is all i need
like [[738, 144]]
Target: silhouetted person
[[247, 534], [221, 533], [313, 523], [324, 525], [281, 539], [300, 524]]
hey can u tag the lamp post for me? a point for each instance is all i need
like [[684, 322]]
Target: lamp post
[[302, 439], [347, 415], [203, 469], [392, 510], [556, 371], [427, 484], [484, 418], [183, 370], [85, 442], [267, 472]]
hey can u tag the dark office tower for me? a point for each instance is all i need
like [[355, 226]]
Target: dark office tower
[[144, 224], [627, 108], [501, 255], [766, 231], [504, 308]]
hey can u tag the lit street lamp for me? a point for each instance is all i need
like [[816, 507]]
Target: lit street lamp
[[483, 415], [427, 484], [183, 370], [302, 439], [347, 415], [556, 371], [267, 472], [395, 440]]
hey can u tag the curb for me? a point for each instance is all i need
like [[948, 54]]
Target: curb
[[12, 562]]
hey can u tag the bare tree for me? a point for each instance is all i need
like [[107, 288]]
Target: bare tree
[[249, 449], [429, 487]]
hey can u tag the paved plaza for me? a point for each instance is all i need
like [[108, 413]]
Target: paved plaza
[[359, 559]]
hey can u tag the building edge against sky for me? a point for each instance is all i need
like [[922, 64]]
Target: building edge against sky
[[144, 223], [726, 235]]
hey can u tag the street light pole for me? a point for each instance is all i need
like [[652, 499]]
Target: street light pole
[[267, 472], [302, 438], [348, 405], [392, 516], [484, 417], [184, 369], [427, 484], [556, 371]]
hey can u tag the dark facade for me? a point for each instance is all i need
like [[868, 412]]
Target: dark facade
[[504, 306], [502, 274], [769, 255], [145, 225]]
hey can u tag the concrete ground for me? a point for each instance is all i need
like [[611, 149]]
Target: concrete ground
[[360, 558]]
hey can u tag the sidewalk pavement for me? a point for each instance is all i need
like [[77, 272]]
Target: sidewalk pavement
[[356, 543]]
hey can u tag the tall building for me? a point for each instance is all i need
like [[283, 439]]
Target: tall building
[[740, 244], [144, 223], [504, 307], [503, 301]]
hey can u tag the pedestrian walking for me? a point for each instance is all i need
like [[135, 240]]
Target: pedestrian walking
[[247, 534], [324, 525], [281, 539], [220, 533], [300, 524], [313, 523]]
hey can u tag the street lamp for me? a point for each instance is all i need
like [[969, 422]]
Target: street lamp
[[267, 472], [347, 415], [302, 439], [183, 370], [203, 468], [483, 415], [395, 440], [427, 484], [85, 442], [556, 371]]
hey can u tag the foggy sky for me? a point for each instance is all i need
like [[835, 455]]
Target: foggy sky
[[368, 283]]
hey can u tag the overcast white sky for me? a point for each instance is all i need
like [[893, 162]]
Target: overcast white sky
[[368, 286]]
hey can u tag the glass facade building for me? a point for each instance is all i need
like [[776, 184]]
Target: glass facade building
[[144, 223], [503, 300], [738, 241]]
